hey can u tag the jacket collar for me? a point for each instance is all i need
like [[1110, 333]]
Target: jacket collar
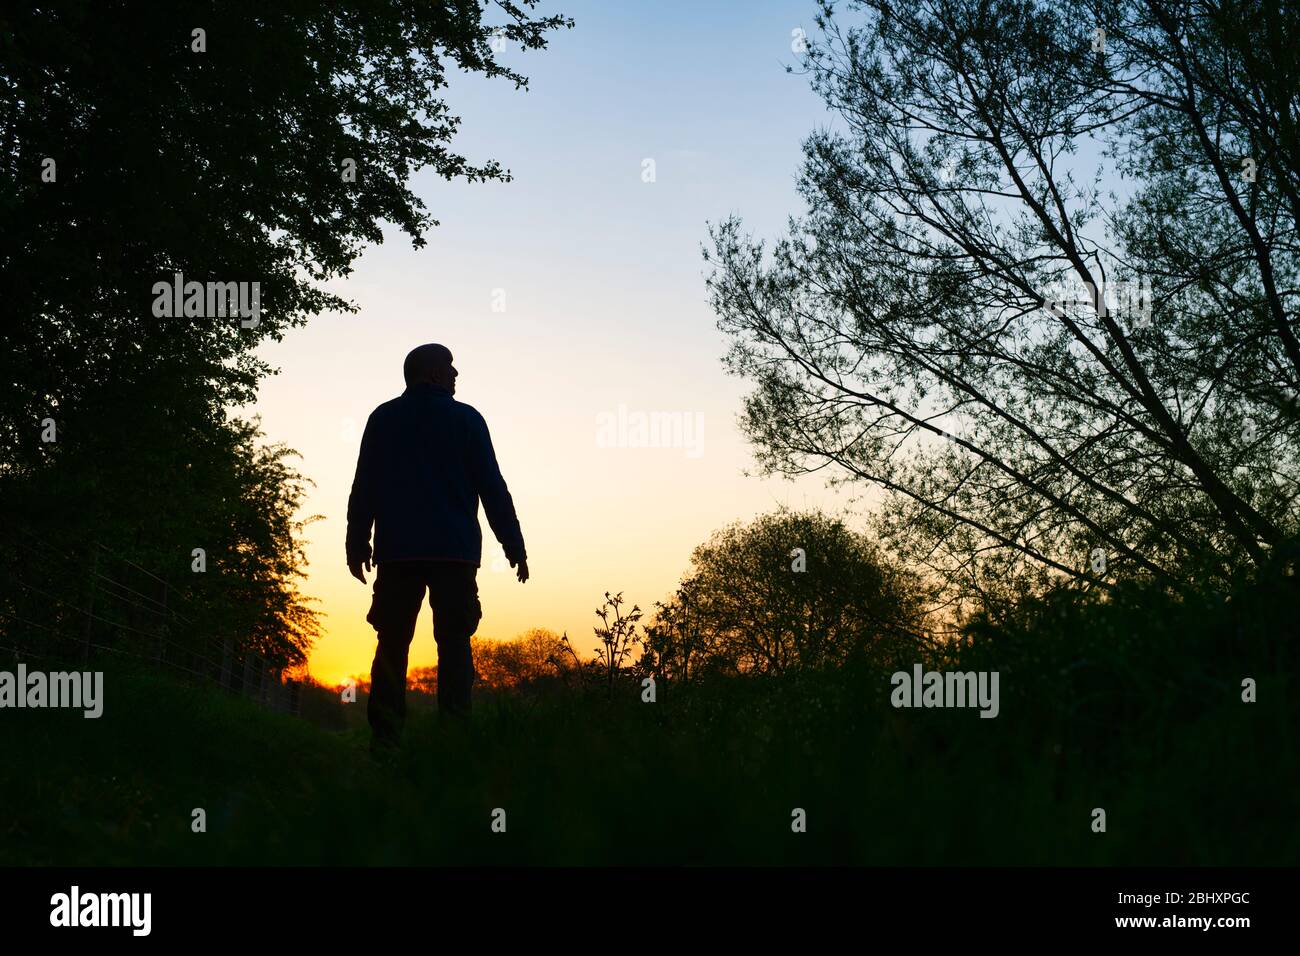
[[426, 388]]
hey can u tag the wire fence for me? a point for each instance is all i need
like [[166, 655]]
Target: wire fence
[[66, 607]]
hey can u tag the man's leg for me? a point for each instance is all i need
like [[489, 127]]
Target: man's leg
[[399, 589], [453, 595]]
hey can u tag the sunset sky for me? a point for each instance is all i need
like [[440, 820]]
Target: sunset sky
[[601, 277]]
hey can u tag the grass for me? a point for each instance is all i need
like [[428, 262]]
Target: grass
[[1133, 706]]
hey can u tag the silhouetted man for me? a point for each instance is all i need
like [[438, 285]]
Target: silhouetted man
[[426, 460]]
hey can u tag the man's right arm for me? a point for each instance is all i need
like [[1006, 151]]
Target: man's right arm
[[361, 502]]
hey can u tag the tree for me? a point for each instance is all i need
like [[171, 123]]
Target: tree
[[493, 663], [229, 163], [517, 663], [423, 680], [789, 591], [677, 646], [124, 505], [253, 143], [961, 318], [538, 649], [617, 634]]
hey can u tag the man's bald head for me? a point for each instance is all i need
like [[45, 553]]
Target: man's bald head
[[430, 363]]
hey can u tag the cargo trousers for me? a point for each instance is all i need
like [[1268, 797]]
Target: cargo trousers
[[399, 591]]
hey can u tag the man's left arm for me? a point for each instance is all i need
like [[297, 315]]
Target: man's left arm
[[491, 488]]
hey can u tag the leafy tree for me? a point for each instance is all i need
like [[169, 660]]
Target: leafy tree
[[241, 142], [516, 663], [124, 505], [789, 591], [228, 164], [538, 648], [422, 679], [960, 318], [677, 646]]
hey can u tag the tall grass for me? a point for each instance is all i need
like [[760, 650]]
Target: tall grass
[[1132, 705]]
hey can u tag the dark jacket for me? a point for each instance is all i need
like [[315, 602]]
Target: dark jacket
[[426, 460]]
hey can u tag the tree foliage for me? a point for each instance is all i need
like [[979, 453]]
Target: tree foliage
[[226, 165], [217, 142], [789, 591], [518, 663], [960, 317]]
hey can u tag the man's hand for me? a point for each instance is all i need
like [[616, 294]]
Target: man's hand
[[522, 573], [356, 566]]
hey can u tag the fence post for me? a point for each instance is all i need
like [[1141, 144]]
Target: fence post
[[90, 603]]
